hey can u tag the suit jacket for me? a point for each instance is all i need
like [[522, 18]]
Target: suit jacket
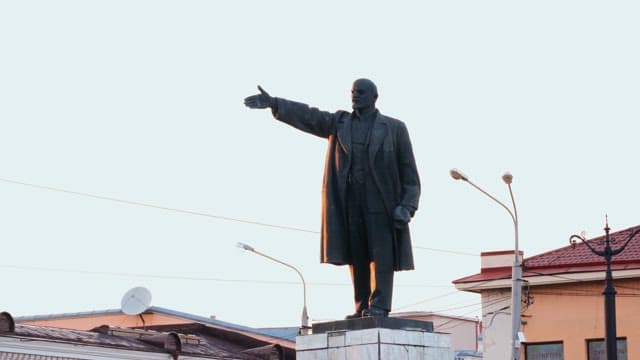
[[391, 163]]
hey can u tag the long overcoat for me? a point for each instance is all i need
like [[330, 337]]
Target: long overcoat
[[392, 165]]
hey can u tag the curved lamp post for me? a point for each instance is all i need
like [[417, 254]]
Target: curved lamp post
[[516, 271], [609, 291], [305, 328]]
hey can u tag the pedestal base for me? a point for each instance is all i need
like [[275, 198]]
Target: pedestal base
[[376, 343]]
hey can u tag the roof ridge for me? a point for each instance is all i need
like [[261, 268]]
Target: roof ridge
[[65, 315]]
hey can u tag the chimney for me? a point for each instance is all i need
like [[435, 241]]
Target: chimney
[[498, 260]]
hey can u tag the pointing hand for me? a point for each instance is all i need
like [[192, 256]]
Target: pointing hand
[[259, 101]]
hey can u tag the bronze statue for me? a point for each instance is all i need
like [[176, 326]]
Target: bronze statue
[[370, 190]]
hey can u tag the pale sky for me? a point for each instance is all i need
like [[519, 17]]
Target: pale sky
[[142, 101]]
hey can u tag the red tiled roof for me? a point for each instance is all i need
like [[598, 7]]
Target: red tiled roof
[[579, 256], [494, 274], [570, 259]]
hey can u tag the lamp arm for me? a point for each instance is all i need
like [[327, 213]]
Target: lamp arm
[[631, 236], [572, 241], [304, 284], [513, 217]]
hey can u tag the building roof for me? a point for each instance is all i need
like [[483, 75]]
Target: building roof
[[220, 333], [570, 259], [135, 340], [287, 333]]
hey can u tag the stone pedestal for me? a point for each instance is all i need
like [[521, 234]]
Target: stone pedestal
[[374, 339]]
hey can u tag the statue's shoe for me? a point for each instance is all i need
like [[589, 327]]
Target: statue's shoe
[[374, 311]]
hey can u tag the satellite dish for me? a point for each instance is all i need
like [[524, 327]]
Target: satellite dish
[[136, 301]]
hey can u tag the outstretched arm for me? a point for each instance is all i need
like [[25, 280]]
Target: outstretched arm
[[299, 115]]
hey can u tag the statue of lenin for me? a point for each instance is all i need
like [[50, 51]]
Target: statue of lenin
[[370, 190]]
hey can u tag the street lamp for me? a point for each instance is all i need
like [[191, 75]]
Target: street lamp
[[305, 328], [516, 271], [609, 291]]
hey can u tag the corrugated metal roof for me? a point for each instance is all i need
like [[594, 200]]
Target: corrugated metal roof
[[18, 356], [67, 315], [287, 333], [83, 337], [270, 332], [284, 337], [208, 348]]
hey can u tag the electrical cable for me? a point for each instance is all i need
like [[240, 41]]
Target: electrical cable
[[426, 300], [203, 214], [446, 251], [489, 303], [137, 203], [442, 326], [192, 278], [197, 213], [430, 299]]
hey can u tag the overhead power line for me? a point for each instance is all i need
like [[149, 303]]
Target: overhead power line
[[426, 300], [137, 203], [191, 278], [196, 213], [446, 251]]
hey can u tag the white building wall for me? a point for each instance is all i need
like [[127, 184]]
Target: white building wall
[[496, 323]]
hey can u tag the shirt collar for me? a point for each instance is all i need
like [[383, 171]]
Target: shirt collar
[[368, 116]]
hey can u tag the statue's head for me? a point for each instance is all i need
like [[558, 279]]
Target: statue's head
[[364, 94]]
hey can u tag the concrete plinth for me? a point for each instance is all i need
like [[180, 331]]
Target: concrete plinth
[[375, 343]]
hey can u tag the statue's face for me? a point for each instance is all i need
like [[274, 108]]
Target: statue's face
[[363, 94]]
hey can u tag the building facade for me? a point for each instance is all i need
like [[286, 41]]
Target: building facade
[[562, 303]]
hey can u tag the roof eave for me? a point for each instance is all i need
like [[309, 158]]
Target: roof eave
[[546, 279]]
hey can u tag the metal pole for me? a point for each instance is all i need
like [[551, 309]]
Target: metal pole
[[516, 286], [516, 306], [609, 303]]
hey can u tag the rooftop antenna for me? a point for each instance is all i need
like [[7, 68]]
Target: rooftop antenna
[[136, 301]]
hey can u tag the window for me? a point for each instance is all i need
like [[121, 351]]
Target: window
[[544, 351], [596, 349]]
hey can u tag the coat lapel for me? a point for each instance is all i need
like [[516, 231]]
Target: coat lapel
[[378, 134], [344, 134]]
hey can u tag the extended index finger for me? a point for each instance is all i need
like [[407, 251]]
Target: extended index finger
[[262, 90]]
